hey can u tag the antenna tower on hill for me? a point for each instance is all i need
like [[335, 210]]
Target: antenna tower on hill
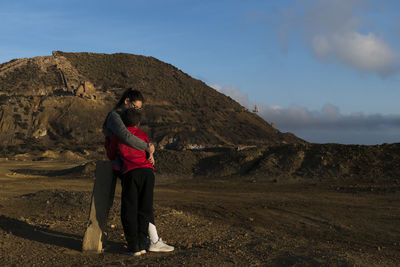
[[255, 110]]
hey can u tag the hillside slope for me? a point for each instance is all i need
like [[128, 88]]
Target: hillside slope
[[60, 101]]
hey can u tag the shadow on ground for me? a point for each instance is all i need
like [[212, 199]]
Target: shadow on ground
[[40, 234]]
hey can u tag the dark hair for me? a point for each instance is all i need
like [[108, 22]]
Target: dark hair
[[131, 117], [130, 94]]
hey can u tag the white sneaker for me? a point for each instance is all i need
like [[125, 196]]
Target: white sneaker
[[138, 253], [160, 246]]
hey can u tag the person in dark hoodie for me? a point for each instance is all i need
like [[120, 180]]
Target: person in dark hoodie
[[113, 125]]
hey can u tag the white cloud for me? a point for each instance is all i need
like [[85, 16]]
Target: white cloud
[[332, 30], [362, 52], [325, 125], [328, 117]]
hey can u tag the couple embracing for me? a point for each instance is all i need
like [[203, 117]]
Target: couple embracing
[[133, 162]]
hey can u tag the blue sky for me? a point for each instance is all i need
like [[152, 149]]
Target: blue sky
[[326, 70]]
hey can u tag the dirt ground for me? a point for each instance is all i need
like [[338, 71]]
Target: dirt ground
[[210, 221]]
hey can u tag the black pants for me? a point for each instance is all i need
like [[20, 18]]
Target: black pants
[[137, 205]]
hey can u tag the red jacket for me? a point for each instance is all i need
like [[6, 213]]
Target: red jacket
[[131, 158]]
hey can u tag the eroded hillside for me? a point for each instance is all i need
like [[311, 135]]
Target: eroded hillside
[[60, 101], [55, 104]]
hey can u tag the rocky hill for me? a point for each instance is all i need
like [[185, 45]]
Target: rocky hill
[[60, 101], [54, 107]]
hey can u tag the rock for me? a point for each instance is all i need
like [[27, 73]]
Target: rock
[[195, 147], [85, 89], [102, 198], [50, 154], [40, 133]]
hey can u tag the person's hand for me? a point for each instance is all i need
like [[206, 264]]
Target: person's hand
[[150, 149], [151, 159]]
